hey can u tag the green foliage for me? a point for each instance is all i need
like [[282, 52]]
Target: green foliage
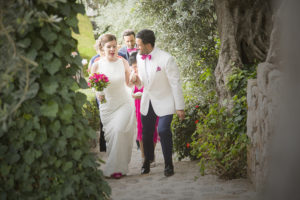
[[220, 141], [183, 130], [44, 146], [91, 110], [198, 98], [109, 21], [186, 29], [218, 146]]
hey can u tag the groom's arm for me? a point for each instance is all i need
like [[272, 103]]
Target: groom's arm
[[173, 76]]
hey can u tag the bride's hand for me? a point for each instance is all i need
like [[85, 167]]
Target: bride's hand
[[100, 96], [132, 77]]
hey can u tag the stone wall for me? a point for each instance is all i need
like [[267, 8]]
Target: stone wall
[[262, 108], [262, 98]]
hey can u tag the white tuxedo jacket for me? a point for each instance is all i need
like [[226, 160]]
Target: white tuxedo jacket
[[164, 87]]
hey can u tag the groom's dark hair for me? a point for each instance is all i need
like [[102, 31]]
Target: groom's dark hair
[[147, 36]]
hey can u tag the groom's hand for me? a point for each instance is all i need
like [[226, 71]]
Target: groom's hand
[[180, 114]]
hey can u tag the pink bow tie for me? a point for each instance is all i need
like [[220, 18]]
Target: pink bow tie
[[144, 56], [130, 50]]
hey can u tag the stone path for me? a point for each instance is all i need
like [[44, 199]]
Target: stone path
[[186, 184]]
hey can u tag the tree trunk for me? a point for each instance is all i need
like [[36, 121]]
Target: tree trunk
[[244, 28]]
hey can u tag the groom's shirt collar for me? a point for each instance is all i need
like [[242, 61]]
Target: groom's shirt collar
[[153, 52]]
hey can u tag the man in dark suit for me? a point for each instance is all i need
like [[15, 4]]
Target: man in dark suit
[[130, 46]]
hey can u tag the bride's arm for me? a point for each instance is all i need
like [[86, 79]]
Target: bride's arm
[[94, 68], [127, 72]]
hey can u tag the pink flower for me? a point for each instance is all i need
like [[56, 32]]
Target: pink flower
[[196, 106], [74, 53], [98, 81]]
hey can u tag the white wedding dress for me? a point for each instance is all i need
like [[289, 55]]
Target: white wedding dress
[[118, 118]]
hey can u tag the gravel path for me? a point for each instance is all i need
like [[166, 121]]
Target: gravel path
[[185, 184]]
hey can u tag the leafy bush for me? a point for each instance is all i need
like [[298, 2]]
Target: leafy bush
[[218, 146], [220, 141], [44, 146], [198, 97], [183, 131], [91, 110]]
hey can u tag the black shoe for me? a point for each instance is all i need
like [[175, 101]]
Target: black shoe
[[145, 168], [169, 170]]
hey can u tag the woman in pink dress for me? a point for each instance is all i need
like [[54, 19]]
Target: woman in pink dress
[[137, 94]]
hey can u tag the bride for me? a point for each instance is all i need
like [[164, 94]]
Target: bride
[[117, 114]]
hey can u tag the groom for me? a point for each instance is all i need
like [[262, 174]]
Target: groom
[[162, 97]]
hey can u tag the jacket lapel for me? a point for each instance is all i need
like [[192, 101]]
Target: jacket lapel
[[153, 65], [143, 72]]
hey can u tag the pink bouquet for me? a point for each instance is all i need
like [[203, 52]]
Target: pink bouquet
[[99, 82]]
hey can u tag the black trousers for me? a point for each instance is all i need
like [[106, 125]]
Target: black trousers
[[165, 133]]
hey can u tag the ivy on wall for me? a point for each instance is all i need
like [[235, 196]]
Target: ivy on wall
[[44, 138]]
